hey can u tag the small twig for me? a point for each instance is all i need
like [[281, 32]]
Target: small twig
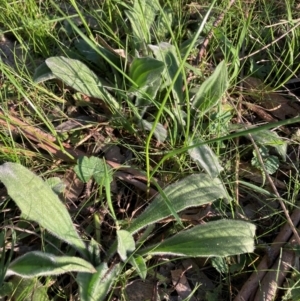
[[250, 286], [237, 140], [271, 43], [276, 275], [134, 181], [209, 36], [275, 190]]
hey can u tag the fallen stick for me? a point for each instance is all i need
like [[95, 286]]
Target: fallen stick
[[252, 283], [275, 277], [210, 34]]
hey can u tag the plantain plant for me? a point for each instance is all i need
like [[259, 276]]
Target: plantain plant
[[39, 203], [151, 77]]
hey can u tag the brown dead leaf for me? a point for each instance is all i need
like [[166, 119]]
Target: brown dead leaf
[[196, 276], [246, 170], [261, 112], [250, 286], [40, 138], [141, 290], [264, 115], [181, 284], [74, 186], [67, 153], [113, 153], [278, 105]]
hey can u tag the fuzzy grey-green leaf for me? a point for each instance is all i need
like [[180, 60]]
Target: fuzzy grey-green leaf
[[95, 287], [139, 263], [166, 53], [126, 244], [204, 156], [34, 264], [211, 90], [219, 238], [192, 191], [39, 203], [144, 71], [77, 75]]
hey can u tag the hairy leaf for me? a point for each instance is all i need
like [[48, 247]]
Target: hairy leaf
[[37, 263], [211, 91], [43, 73], [141, 17], [26, 289], [95, 287], [204, 156], [166, 53], [138, 262], [126, 244], [144, 71], [77, 75], [192, 191], [219, 238], [87, 168], [146, 96], [39, 203], [270, 138], [160, 132]]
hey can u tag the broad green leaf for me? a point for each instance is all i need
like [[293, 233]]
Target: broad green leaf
[[211, 90], [36, 263], [144, 71], [269, 138], [192, 191], [219, 238], [205, 158], [271, 164], [166, 53], [94, 250], [146, 11], [126, 244], [87, 168], [95, 287], [160, 133], [139, 264], [138, 38], [6, 289], [39, 203], [42, 73], [77, 75]]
